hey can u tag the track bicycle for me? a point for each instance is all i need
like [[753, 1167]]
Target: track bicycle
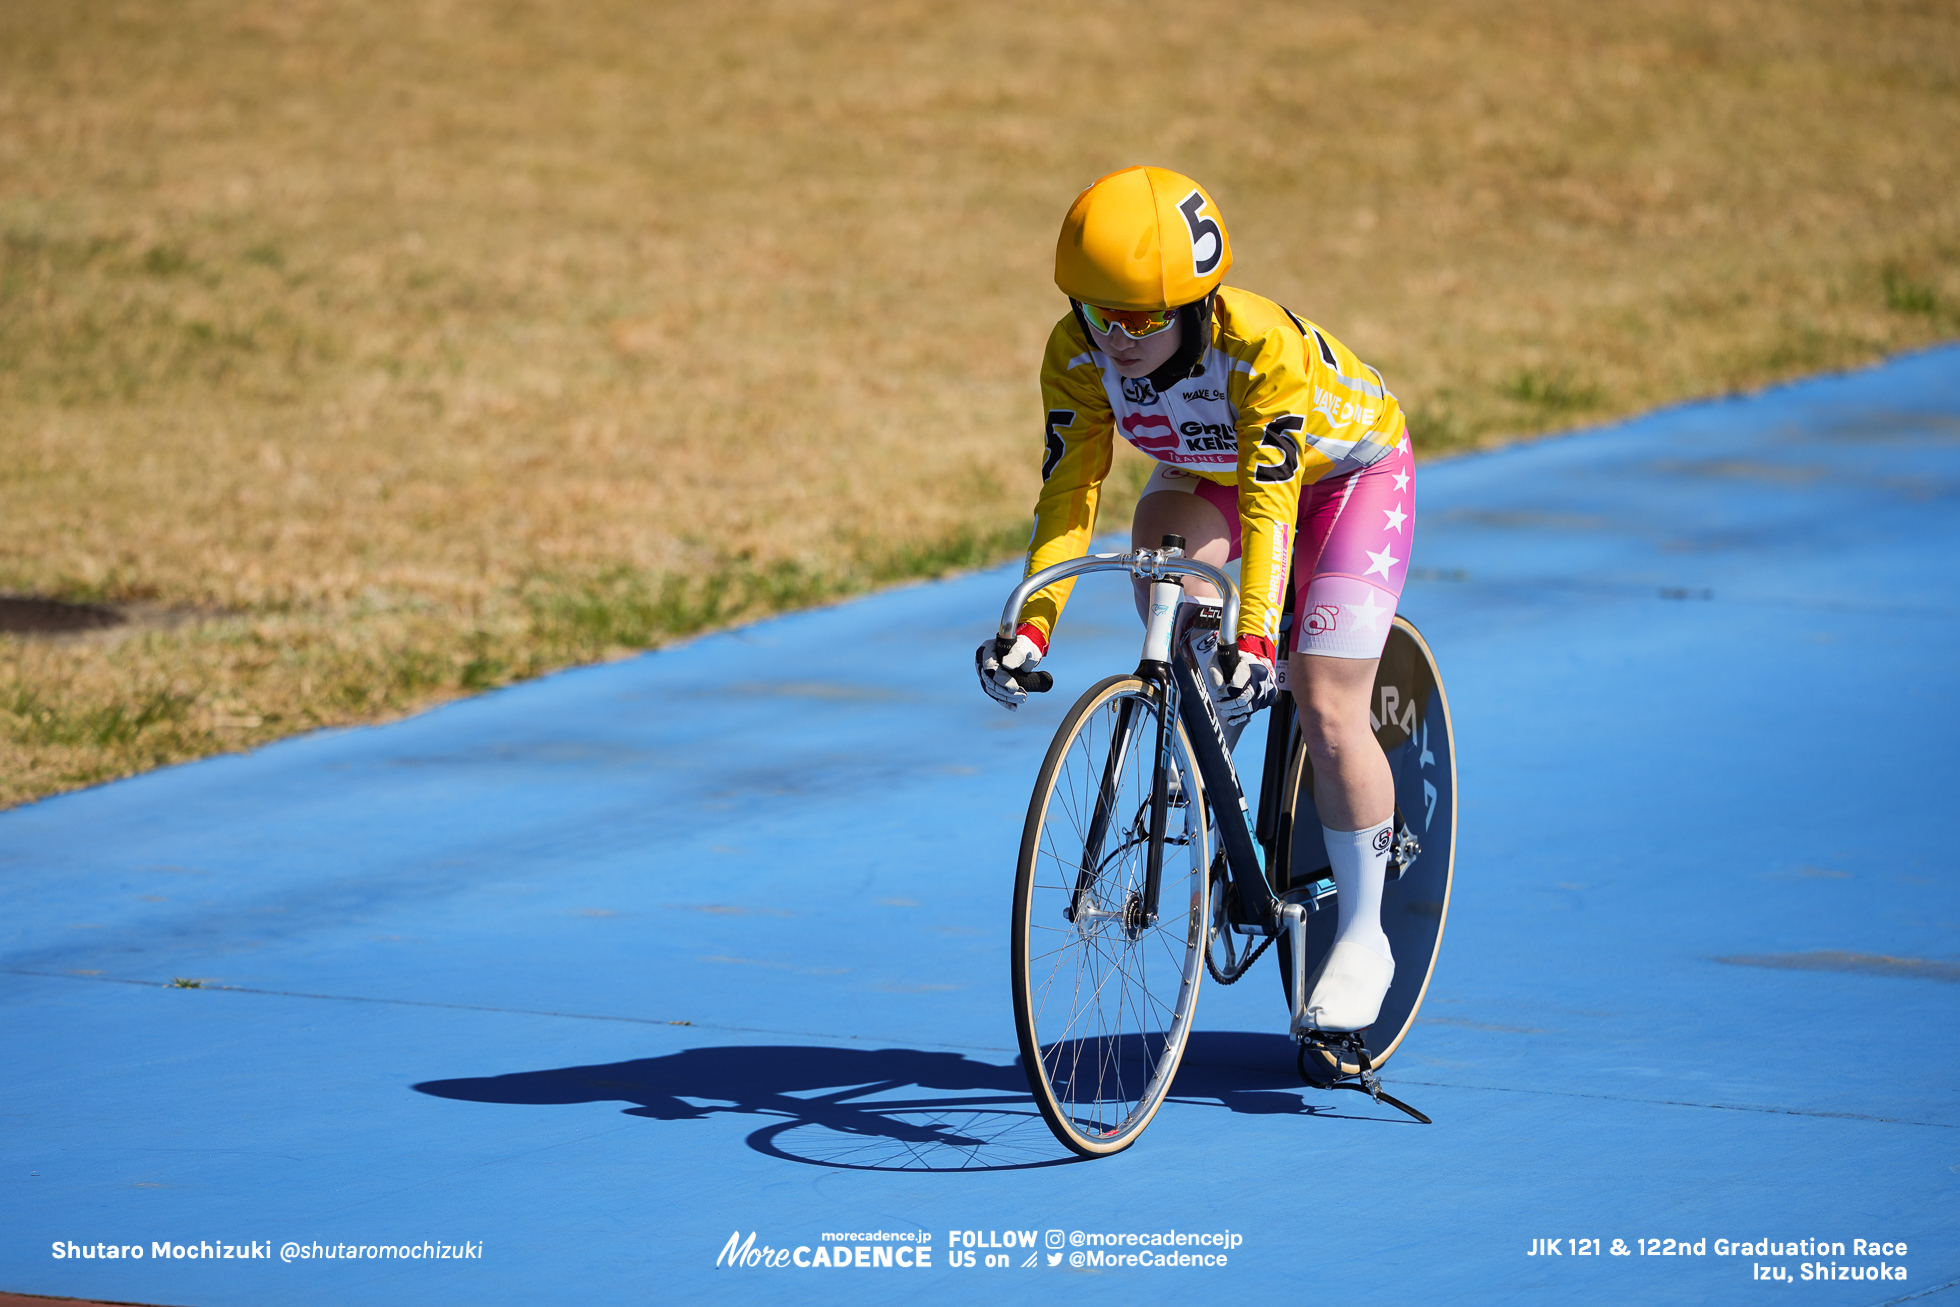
[[1142, 867]]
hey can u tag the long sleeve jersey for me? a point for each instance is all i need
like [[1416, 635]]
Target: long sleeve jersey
[[1274, 405]]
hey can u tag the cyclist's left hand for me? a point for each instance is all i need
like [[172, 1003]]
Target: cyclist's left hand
[[1253, 682]]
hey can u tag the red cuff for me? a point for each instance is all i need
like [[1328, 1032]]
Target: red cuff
[[1260, 645], [1033, 633]]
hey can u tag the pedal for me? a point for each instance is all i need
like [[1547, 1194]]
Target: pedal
[[1402, 854], [1341, 1061], [1326, 1060]]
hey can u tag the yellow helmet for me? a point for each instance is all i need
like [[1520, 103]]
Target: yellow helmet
[[1142, 238]]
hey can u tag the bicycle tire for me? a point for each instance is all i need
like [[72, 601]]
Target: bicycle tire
[[1103, 1001], [1416, 907]]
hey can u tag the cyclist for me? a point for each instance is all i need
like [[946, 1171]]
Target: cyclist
[[1274, 444]]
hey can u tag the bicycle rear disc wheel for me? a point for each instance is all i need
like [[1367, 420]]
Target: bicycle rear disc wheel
[[1411, 717], [1103, 997]]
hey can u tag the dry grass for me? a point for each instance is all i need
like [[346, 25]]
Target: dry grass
[[433, 345]]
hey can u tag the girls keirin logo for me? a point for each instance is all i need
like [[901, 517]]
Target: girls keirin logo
[[1150, 442]]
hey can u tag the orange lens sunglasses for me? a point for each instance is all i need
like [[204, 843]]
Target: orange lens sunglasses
[[1136, 323]]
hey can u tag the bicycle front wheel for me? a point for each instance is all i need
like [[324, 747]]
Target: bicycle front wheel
[[1104, 991]]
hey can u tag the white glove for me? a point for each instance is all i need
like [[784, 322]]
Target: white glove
[[1006, 677], [1252, 683]]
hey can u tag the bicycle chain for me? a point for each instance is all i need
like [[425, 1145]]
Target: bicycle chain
[[1242, 970], [1222, 885], [1243, 966]]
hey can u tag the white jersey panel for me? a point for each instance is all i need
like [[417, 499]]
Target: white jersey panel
[[1193, 425]]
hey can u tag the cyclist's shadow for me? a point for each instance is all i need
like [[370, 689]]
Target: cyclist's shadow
[[886, 1108]]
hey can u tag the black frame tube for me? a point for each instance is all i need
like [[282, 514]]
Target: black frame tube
[[1221, 780], [1280, 728]]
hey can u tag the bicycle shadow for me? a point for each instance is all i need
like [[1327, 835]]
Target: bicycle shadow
[[885, 1109]]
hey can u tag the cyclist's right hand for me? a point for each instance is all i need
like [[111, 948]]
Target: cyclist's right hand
[[1007, 668], [1249, 676]]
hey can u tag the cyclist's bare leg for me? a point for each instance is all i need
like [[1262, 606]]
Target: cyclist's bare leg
[[1352, 785], [1355, 793], [1207, 538]]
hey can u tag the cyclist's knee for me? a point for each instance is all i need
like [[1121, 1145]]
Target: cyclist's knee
[[1328, 734], [1207, 536], [1333, 707]]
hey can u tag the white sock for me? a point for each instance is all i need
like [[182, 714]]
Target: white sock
[[1360, 862]]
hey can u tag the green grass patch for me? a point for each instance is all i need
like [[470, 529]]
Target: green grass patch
[[166, 260], [1904, 294], [574, 619], [33, 719], [1554, 392]]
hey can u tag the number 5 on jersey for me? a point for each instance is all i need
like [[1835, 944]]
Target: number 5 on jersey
[[1052, 440]]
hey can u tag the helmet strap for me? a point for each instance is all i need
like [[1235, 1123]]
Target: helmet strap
[[1195, 319], [1075, 307]]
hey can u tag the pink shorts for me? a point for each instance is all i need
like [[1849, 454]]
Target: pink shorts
[[1350, 553]]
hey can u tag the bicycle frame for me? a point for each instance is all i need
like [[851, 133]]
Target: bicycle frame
[[1180, 689], [1252, 855]]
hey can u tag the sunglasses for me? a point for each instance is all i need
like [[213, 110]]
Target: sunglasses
[[1136, 323]]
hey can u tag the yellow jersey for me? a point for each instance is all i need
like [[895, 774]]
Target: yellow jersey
[[1273, 405]]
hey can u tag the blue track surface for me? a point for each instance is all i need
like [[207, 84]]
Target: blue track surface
[[596, 971]]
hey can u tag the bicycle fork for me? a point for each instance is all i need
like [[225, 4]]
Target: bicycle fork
[[1155, 667], [1155, 670], [1098, 832]]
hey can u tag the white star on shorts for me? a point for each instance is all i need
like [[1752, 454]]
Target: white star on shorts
[[1380, 562], [1401, 480], [1396, 517], [1366, 613]]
